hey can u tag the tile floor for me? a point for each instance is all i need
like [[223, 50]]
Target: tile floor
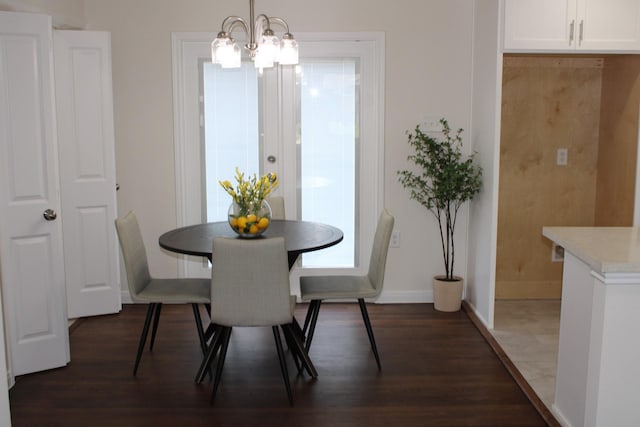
[[528, 330]]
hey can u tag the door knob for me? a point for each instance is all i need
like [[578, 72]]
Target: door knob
[[271, 159], [50, 214]]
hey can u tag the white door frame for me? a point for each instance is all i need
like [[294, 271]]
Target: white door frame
[[5, 379], [189, 48]]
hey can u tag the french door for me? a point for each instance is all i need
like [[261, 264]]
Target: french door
[[317, 125]]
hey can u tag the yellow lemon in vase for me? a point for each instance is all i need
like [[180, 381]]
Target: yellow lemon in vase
[[263, 223]]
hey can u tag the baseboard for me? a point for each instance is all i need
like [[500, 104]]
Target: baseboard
[[386, 297], [528, 391], [560, 416], [478, 316], [125, 298], [405, 297], [401, 297], [531, 289], [11, 380]]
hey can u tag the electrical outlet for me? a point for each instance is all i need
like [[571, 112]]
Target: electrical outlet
[[431, 124], [562, 156], [557, 253], [395, 239]]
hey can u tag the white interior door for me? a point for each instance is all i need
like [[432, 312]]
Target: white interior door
[[84, 107], [31, 255]]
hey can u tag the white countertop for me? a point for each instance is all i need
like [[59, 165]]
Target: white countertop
[[604, 249]]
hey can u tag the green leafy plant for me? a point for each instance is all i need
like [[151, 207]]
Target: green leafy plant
[[445, 180], [250, 192]]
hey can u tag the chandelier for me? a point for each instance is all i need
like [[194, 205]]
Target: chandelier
[[265, 51]]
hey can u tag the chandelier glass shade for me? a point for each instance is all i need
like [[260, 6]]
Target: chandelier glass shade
[[265, 49]]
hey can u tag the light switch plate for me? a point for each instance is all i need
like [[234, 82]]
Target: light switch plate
[[395, 239]]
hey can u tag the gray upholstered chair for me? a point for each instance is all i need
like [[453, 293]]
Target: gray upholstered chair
[[155, 292], [277, 207], [318, 288], [254, 293]]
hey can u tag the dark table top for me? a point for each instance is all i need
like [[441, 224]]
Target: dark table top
[[299, 236]]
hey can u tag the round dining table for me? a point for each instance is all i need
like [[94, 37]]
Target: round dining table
[[299, 237]]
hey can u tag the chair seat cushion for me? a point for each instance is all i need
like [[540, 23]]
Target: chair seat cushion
[[336, 287], [185, 291]]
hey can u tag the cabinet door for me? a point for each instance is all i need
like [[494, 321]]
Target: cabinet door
[[539, 24], [608, 25], [87, 171], [31, 257]]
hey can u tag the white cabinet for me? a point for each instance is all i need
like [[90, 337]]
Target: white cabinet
[[572, 25], [598, 371]]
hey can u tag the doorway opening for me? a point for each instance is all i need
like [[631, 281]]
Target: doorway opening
[[568, 157]]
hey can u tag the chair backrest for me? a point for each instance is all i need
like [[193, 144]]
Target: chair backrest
[[133, 253], [277, 207], [378, 260], [250, 282]]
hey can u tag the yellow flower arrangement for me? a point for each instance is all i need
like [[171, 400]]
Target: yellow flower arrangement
[[248, 195]]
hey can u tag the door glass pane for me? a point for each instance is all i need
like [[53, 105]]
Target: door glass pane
[[230, 131], [328, 149]]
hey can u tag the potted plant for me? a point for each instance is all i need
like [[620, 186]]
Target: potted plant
[[444, 180]]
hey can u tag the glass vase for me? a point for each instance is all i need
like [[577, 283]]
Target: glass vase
[[249, 221]]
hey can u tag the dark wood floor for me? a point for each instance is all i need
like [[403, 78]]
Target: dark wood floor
[[437, 370]]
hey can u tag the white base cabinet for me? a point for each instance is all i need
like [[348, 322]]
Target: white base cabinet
[[598, 371]]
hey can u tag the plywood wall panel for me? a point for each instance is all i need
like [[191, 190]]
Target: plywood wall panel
[[618, 141], [548, 103]]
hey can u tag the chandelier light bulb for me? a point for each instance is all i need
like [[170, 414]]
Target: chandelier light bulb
[[232, 57], [288, 50], [268, 51]]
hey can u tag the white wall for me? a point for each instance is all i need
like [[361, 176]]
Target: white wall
[[65, 14], [487, 84], [428, 74]]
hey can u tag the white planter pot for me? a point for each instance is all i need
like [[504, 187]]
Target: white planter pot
[[447, 295]]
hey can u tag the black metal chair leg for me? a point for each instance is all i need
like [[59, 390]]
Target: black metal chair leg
[[295, 326], [367, 324], [292, 347], [226, 334], [283, 362], [143, 336], [307, 319], [156, 320], [196, 315], [312, 324], [205, 366], [211, 330], [298, 349]]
